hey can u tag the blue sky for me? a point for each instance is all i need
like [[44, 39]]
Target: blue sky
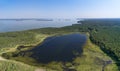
[[59, 8]]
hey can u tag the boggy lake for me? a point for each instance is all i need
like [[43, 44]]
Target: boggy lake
[[59, 48]]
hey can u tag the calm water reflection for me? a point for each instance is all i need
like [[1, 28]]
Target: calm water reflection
[[13, 25]]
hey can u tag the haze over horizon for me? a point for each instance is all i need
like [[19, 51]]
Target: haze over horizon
[[59, 9]]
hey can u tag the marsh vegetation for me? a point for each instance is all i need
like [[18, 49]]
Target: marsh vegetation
[[100, 52]]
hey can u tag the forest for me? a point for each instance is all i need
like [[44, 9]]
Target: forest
[[104, 33]]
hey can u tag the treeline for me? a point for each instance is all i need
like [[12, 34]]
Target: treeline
[[106, 34]]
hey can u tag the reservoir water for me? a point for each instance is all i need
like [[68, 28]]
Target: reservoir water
[[19, 25]]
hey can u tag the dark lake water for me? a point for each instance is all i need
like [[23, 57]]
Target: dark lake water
[[13, 25], [59, 48]]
